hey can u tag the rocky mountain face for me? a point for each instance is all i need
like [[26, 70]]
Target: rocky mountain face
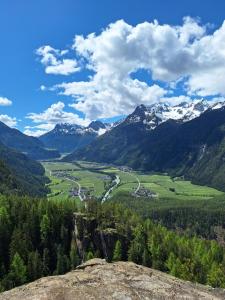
[[30, 146], [155, 114], [194, 149], [69, 137], [87, 234], [97, 279]]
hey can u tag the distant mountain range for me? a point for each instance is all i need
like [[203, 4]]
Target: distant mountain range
[[155, 114], [184, 140], [20, 174], [31, 146], [68, 137]]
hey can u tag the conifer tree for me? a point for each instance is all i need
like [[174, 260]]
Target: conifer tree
[[117, 254], [34, 267], [146, 258], [74, 258], [46, 262], [216, 277], [18, 271]]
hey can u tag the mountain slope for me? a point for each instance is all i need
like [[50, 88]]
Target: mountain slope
[[194, 149], [68, 137], [97, 279], [31, 146], [19, 174]]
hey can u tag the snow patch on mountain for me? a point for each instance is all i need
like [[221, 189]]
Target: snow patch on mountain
[[155, 114], [95, 127]]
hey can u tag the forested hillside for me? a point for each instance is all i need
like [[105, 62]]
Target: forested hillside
[[29, 145], [20, 174], [41, 237]]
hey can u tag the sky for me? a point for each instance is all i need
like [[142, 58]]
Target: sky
[[75, 61]]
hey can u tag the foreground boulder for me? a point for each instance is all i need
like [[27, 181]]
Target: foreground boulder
[[97, 279]]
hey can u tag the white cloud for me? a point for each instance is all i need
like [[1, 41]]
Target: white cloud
[[102, 98], [53, 115], [54, 63], [65, 67], [185, 55], [9, 121], [174, 100], [38, 130], [5, 101]]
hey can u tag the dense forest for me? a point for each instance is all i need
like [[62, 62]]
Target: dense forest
[[40, 237], [20, 174], [204, 218]]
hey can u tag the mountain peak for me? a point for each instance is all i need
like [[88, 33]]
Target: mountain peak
[[151, 116], [96, 125]]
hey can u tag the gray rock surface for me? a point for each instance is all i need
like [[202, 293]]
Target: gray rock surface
[[97, 279]]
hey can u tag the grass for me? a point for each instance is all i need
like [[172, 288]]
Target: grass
[[93, 177], [166, 187]]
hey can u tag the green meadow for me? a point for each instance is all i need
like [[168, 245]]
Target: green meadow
[[96, 178]]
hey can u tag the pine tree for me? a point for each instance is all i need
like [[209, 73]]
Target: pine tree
[[117, 254], [146, 258], [18, 271], [136, 249], [34, 267], [62, 262], [46, 262], [45, 229], [74, 258], [216, 277]]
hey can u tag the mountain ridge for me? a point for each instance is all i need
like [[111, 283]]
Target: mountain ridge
[[172, 146], [67, 137], [20, 175], [31, 146]]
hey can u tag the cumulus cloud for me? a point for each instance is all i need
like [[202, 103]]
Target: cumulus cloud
[[5, 101], [185, 55], [176, 99], [53, 115], [38, 130], [52, 59], [9, 121]]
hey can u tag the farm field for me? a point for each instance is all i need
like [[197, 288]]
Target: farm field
[[80, 180]]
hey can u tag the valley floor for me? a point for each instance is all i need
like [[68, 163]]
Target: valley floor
[[83, 180]]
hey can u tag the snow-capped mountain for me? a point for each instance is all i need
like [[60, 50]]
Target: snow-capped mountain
[[68, 137], [95, 127], [158, 113], [194, 149]]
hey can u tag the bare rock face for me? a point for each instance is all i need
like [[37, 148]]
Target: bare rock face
[[97, 279]]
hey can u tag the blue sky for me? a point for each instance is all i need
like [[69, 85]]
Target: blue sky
[[28, 25]]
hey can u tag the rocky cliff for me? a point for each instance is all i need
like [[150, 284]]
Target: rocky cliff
[[97, 279]]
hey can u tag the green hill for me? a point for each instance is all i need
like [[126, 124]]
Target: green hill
[[29, 145], [19, 174]]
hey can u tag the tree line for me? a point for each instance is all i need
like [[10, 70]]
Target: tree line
[[37, 239]]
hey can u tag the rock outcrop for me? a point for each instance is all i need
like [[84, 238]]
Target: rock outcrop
[[97, 279]]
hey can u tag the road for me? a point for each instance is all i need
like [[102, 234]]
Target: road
[[79, 187], [139, 184], [137, 179]]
